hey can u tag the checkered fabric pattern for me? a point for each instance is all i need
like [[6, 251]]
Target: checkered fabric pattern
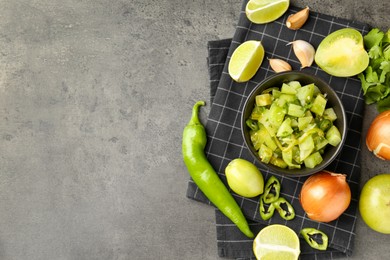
[[225, 141]]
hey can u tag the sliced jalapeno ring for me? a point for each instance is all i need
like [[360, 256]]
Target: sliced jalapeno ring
[[285, 209], [272, 190], [266, 210], [252, 124], [315, 238]]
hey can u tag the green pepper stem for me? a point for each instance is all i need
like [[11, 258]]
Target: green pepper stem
[[195, 111]]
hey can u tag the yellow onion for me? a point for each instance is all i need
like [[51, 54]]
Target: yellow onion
[[378, 136], [325, 196]]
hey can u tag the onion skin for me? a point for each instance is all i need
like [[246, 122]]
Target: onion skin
[[378, 136], [325, 196]]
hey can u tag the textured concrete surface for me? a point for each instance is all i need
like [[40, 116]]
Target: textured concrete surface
[[94, 95]]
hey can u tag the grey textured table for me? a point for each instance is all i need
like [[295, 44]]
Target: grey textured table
[[94, 96]]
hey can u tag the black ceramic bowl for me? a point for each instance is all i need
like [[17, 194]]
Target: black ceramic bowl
[[333, 101]]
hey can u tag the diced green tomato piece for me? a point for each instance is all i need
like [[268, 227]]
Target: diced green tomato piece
[[263, 100], [265, 153], [271, 129], [295, 154], [320, 142], [305, 94], [278, 162], [288, 89], [264, 120], [256, 139], [295, 84], [280, 102], [295, 110], [308, 114], [303, 122], [276, 93], [313, 160], [288, 157], [333, 136], [276, 115], [257, 112], [316, 90], [268, 140], [288, 97], [330, 114], [294, 166], [294, 122], [269, 90], [306, 147], [264, 137], [319, 105], [273, 118], [285, 128]]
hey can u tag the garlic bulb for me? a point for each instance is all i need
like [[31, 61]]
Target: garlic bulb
[[304, 51], [279, 65]]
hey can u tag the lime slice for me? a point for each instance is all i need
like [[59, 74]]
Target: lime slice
[[246, 60], [276, 242], [265, 11]]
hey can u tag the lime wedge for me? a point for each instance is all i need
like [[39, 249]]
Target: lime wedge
[[265, 11], [246, 60], [276, 242]]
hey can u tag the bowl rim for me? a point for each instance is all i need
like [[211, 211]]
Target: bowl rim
[[303, 171]]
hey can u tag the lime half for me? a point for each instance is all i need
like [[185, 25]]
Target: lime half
[[265, 11], [246, 60], [276, 242]]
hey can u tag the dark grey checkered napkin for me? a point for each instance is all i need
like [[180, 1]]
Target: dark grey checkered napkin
[[225, 142]]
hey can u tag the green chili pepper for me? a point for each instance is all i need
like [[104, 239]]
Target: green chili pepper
[[325, 124], [252, 124], [271, 190], [315, 238], [203, 174], [285, 209], [266, 210]]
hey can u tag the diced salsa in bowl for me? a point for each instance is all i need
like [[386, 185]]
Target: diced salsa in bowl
[[294, 125]]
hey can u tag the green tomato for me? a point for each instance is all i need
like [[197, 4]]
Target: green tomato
[[342, 53], [244, 178], [374, 203]]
